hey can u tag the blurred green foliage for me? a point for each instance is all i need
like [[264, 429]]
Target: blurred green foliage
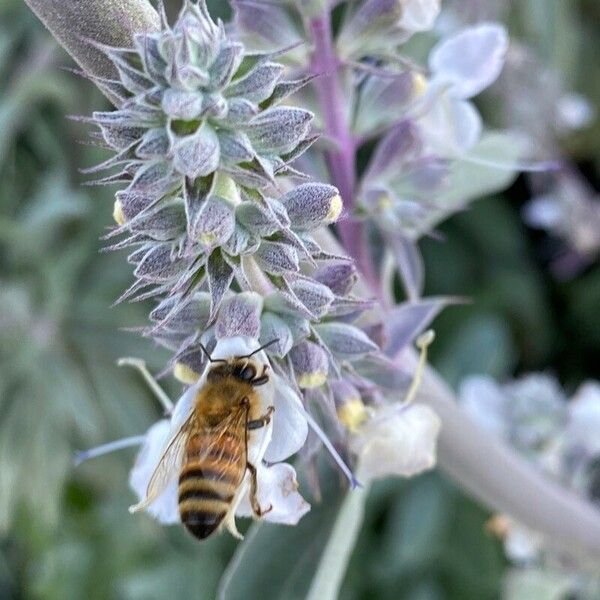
[[66, 533]]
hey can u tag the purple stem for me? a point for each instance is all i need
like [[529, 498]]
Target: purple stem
[[342, 158]]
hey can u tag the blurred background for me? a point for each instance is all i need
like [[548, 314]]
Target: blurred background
[[66, 533]]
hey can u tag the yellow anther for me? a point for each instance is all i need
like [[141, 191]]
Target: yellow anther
[[498, 525], [207, 239], [384, 202], [419, 84], [352, 414], [312, 380], [118, 214], [335, 209], [185, 374]]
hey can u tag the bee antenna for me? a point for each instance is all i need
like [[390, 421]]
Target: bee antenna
[[261, 348], [210, 358]]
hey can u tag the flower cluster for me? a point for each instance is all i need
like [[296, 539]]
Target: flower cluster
[[431, 155], [556, 433], [418, 171], [223, 240]]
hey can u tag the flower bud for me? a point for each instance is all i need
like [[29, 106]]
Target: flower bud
[[185, 374], [197, 154], [179, 104], [345, 341], [317, 298], [310, 363], [274, 328], [279, 130], [239, 315], [183, 318], [257, 219], [312, 205], [339, 277], [214, 223], [277, 258]]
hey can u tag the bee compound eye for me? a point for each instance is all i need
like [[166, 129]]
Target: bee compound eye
[[247, 373]]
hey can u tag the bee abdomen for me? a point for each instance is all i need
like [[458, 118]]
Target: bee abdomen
[[205, 496]]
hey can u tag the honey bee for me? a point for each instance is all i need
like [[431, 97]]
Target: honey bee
[[211, 448]]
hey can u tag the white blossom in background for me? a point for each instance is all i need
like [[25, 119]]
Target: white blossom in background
[[568, 209], [396, 440], [561, 436], [461, 67], [418, 15]]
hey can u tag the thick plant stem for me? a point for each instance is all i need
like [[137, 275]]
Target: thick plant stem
[[478, 462], [342, 158], [112, 22]]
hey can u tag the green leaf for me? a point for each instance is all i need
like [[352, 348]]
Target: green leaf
[[483, 344]]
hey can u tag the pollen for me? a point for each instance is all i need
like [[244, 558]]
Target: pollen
[[207, 238], [384, 202], [498, 525], [419, 84], [184, 374], [312, 380], [335, 209], [352, 413], [118, 214]]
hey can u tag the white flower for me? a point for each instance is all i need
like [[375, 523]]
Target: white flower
[[522, 545], [282, 437], [164, 508], [574, 111], [396, 440], [450, 126], [277, 488], [583, 428], [461, 67], [471, 60], [418, 15], [485, 402]]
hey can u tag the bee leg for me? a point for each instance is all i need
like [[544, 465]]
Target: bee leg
[[264, 420], [256, 509]]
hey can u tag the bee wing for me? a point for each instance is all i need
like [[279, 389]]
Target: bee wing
[[235, 423], [168, 466]]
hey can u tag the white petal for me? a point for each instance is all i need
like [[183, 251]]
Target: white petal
[[289, 423], [471, 60], [419, 15], [522, 545], [397, 441], [164, 508], [277, 489], [584, 418], [184, 405], [235, 346], [483, 399], [544, 212], [574, 111], [450, 127]]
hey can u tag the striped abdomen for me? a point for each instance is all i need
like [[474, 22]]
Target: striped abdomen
[[213, 471]]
